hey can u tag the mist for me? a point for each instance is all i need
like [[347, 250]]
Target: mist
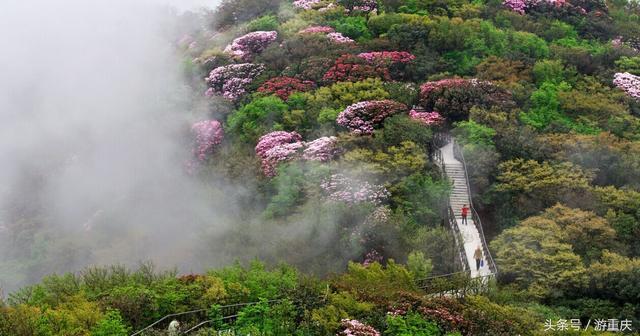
[[94, 120]]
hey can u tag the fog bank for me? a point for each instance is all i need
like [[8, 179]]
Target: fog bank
[[93, 140]]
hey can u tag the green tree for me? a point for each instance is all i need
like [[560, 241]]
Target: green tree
[[110, 325], [534, 186], [419, 266], [257, 118], [534, 257]]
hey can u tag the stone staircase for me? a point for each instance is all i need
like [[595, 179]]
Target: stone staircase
[[460, 195]]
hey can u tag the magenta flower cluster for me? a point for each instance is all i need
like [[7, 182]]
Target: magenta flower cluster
[[619, 42], [322, 149], [340, 188], [366, 5], [372, 257], [276, 147], [362, 117], [332, 35], [274, 139], [521, 6], [231, 81], [387, 56], [427, 118], [317, 30], [305, 4], [245, 47], [280, 146], [207, 135], [356, 328], [339, 38], [518, 6], [628, 83]]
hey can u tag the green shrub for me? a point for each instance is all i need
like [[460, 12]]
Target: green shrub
[[267, 22], [412, 324], [111, 325], [354, 27], [257, 118]]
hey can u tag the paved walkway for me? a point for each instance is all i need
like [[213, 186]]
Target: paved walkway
[[459, 197]]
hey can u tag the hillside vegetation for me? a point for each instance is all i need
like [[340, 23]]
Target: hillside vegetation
[[327, 112]]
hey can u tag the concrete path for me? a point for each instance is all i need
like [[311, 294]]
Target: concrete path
[[459, 197]]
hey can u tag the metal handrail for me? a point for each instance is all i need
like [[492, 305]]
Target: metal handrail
[[167, 317], [457, 236], [441, 139], [457, 153], [197, 311], [199, 325]]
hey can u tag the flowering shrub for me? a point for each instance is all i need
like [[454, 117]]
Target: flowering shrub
[[356, 328], [620, 42], [339, 188], [628, 83], [339, 38], [208, 134], [372, 257], [388, 56], [285, 86], [559, 7], [518, 6], [428, 118], [521, 6], [317, 30], [305, 4], [277, 154], [277, 147], [359, 5], [454, 98], [322, 149], [274, 139], [244, 47], [362, 117], [231, 81], [351, 68]]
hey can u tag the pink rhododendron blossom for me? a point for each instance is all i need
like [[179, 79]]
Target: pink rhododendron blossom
[[362, 117], [628, 83], [322, 149], [620, 42], [276, 138], [277, 154], [428, 118], [207, 135], [275, 147], [245, 47], [317, 30], [339, 188], [339, 38], [366, 5], [231, 81], [372, 257], [523, 6], [305, 4], [356, 328], [518, 6], [388, 56]]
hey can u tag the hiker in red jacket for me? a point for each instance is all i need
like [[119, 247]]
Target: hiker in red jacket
[[465, 212]]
